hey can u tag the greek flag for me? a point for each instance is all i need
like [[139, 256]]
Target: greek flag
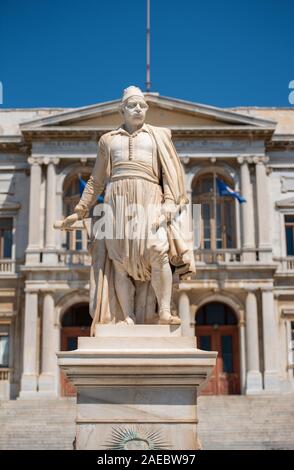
[[225, 190], [82, 185]]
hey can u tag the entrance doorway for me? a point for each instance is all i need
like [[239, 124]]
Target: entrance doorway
[[217, 330], [76, 322]]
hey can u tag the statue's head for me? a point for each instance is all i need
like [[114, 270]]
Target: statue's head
[[133, 106]]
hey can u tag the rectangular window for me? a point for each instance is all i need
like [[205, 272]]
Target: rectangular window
[[4, 350], [219, 226], [292, 341], [206, 225], [72, 343], [227, 353], [289, 228], [79, 240], [228, 223], [205, 343], [5, 237]]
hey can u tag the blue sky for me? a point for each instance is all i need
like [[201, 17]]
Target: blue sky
[[72, 53]]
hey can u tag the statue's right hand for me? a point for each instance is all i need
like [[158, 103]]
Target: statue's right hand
[[67, 223]]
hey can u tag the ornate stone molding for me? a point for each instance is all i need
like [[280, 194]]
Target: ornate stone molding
[[267, 288], [35, 160], [260, 160], [248, 159], [54, 160], [253, 289]]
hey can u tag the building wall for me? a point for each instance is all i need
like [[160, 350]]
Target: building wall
[[35, 294]]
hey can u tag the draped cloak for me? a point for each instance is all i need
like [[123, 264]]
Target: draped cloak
[[104, 304]]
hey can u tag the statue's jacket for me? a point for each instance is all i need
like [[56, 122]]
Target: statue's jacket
[[104, 306]]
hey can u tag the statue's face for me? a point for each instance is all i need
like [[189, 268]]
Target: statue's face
[[134, 110]]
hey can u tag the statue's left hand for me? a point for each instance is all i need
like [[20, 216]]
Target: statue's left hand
[[169, 209], [166, 213]]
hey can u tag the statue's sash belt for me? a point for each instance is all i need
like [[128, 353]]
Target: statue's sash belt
[[131, 169]]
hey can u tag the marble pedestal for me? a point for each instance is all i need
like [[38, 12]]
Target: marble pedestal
[[137, 387]]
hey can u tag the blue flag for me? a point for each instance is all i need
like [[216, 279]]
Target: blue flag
[[82, 185], [225, 190]]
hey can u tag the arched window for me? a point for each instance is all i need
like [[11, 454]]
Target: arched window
[[218, 225], [216, 313], [77, 316], [77, 239]]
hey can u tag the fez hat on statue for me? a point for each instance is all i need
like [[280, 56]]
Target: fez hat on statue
[[132, 91]]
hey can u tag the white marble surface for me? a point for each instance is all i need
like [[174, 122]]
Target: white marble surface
[[121, 330], [146, 436], [132, 388]]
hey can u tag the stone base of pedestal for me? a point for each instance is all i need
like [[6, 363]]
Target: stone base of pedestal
[[137, 387]]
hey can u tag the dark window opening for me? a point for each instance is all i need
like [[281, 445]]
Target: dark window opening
[[216, 313], [77, 315]]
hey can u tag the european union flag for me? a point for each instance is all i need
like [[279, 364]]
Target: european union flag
[[225, 190], [82, 185]]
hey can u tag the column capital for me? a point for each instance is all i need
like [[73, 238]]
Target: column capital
[[31, 290], [267, 289], [48, 290], [184, 292], [260, 160], [185, 160], [245, 159], [251, 289], [53, 160], [35, 160]]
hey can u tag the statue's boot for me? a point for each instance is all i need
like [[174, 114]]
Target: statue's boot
[[161, 279], [166, 318], [125, 291]]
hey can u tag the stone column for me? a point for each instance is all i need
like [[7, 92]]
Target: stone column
[[30, 360], [184, 314], [50, 255], [247, 214], [263, 210], [243, 353], [270, 341], [33, 249], [50, 331], [254, 378]]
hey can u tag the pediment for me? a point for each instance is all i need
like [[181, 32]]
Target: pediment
[[162, 111], [285, 203]]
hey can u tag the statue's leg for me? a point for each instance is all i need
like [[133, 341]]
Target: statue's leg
[[125, 291], [141, 288], [161, 279]]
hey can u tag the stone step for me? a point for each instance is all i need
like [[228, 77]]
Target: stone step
[[246, 422], [225, 422]]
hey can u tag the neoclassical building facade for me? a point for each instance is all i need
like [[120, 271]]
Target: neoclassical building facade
[[241, 301]]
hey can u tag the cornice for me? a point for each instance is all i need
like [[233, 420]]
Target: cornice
[[82, 132], [13, 144]]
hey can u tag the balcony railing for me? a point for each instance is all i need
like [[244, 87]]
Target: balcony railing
[[202, 257], [7, 266], [286, 264], [218, 256], [74, 257], [4, 374]]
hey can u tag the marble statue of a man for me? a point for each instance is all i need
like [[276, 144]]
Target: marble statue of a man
[[131, 277]]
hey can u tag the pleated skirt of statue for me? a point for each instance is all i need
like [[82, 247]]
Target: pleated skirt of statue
[[135, 203]]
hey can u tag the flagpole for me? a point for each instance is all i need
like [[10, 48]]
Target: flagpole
[[148, 82]]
